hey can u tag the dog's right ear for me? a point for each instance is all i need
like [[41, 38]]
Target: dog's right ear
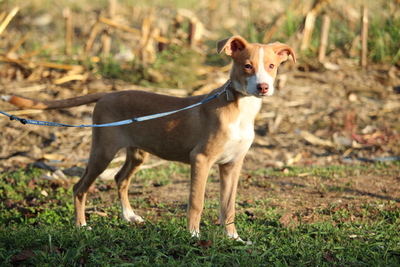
[[231, 45]]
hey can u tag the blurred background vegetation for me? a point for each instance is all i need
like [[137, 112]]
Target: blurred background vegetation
[[156, 42]]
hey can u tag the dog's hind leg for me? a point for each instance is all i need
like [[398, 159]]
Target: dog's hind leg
[[98, 162], [134, 158]]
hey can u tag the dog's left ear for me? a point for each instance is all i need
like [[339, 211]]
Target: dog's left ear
[[232, 45], [283, 51]]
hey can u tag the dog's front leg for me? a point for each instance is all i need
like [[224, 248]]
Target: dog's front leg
[[200, 167], [229, 177]]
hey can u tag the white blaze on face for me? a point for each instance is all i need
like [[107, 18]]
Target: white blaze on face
[[261, 76]]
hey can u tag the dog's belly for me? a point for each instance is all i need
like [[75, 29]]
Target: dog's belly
[[170, 154]]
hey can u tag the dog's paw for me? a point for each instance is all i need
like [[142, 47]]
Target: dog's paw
[[136, 219], [238, 239], [84, 226], [195, 233], [247, 243], [130, 216]]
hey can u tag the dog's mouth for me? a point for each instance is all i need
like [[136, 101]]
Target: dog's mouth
[[256, 94], [263, 93]]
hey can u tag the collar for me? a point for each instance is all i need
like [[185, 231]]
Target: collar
[[230, 96]]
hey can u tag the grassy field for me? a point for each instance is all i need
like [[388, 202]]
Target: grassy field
[[36, 228]]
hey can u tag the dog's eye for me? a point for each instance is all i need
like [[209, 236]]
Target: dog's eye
[[271, 66], [248, 66]]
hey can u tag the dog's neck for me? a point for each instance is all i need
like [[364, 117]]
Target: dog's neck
[[231, 91]]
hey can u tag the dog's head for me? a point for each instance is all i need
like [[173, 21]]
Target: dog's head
[[254, 65]]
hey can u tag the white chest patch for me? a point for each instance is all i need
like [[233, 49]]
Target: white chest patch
[[242, 131]]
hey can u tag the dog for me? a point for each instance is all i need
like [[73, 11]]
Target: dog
[[219, 131]]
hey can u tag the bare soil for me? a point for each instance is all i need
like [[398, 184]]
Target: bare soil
[[318, 117]]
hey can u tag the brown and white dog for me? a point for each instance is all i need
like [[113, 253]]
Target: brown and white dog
[[219, 131]]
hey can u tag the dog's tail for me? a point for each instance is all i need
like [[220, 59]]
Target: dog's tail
[[55, 104]]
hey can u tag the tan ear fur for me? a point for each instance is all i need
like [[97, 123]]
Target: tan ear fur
[[283, 51], [231, 45]]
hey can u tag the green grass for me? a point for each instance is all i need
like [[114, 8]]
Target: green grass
[[36, 229], [384, 45]]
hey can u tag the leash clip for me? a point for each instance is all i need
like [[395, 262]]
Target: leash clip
[[229, 94]]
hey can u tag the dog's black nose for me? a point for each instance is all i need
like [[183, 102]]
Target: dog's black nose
[[263, 88]]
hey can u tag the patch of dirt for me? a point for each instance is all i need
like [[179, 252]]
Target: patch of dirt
[[315, 118]]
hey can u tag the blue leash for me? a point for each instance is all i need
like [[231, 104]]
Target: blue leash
[[118, 123]]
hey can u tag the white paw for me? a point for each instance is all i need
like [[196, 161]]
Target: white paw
[[236, 237], [136, 219], [195, 233], [248, 243], [85, 227], [130, 216]]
